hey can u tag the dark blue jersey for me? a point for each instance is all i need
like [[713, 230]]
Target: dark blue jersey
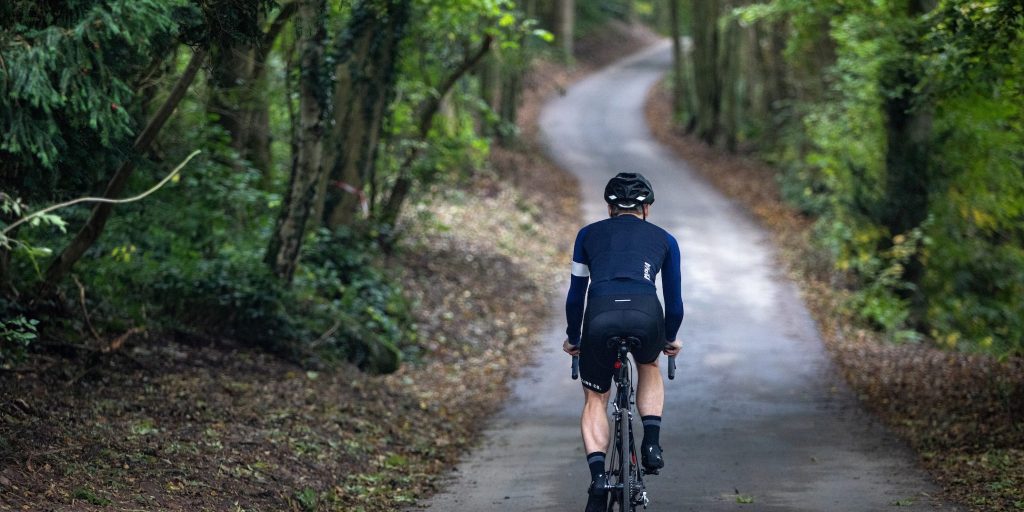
[[622, 255]]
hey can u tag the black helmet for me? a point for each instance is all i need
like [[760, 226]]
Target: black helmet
[[628, 189]]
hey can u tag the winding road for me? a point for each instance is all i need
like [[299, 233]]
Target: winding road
[[756, 413]]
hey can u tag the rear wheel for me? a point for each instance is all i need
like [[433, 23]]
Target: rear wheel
[[628, 463], [620, 500], [618, 473]]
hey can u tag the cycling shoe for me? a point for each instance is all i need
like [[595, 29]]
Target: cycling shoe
[[652, 459], [598, 500]]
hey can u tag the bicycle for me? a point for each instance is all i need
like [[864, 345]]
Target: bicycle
[[628, 491]]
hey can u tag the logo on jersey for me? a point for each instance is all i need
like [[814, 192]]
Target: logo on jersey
[[647, 271]]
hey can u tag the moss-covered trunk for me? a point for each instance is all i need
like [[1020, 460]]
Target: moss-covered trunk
[[307, 162], [365, 82], [707, 81]]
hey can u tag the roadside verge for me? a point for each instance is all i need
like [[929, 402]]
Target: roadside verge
[[962, 413]]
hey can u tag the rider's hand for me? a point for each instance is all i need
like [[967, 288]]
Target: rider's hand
[[569, 348], [673, 347]]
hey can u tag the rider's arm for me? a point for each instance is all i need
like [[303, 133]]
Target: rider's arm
[[672, 289], [574, 301]]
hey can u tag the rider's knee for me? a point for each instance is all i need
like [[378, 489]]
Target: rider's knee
[[590, 395]]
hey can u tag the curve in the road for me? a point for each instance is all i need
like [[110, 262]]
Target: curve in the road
[[756, 410]]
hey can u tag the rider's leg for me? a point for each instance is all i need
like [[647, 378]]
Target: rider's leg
[[650, 389], [650, 399], [594, 422]]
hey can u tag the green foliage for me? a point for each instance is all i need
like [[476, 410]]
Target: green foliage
[[976, 255], [362, 313], [90, 496], [190, 258], [82, 77], [16, 334], [69, 86], [450, 31], [15, 209], [882, 299], [957, 72], [194, 272], [177, 260], [308, 499], [594, 14]]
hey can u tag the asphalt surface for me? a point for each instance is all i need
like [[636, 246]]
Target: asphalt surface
[[756, 412]]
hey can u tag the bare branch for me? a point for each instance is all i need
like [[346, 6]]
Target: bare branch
[[143, 195]]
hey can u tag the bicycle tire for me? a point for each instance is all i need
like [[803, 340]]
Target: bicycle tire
[[627, 462], [621, 499], [617, 468]]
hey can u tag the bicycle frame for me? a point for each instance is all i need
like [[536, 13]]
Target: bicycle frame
[[628, 491]]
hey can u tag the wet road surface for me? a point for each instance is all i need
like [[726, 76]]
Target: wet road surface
[[756, 409]]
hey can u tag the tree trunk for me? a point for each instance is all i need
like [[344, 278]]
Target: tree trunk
[[255, 138], [237, 92], [6, 290], [729, 71], [768, 44], [508, 111], [908, 149], [92, 229], [511, 69], [232, 92], [489, 73], [678, 102], [307, 162], [706, 77], [566, 27], [908, 134], [365, 82]]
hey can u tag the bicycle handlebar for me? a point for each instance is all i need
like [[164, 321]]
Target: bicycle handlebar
[[671, 367]]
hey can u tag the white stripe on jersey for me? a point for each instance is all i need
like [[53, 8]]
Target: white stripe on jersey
[[580, 270]]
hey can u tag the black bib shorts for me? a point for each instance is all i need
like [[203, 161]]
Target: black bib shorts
[[618, 315]]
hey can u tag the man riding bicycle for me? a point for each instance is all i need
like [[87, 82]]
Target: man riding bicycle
[[619, 258]]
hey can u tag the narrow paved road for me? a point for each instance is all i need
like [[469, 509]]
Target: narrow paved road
[[756, 409]]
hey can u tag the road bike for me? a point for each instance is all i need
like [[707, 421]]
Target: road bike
[[625, 486]]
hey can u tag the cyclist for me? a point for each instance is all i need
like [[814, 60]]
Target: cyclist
[[619, 258]]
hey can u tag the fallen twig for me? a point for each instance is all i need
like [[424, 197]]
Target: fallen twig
[[323, 337], [118, 342], [85, 311]]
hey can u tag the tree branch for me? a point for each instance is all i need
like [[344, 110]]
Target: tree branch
[[101, 213], [267, 42], [425, 112], [105, 200]]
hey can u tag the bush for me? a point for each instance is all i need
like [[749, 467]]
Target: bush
[[180, 262], [367, 320], [16, 334]]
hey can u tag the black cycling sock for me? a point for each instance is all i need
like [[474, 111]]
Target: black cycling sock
[[652, 430], [596, 462]]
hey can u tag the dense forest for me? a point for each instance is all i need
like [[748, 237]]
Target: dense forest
[[897, 126], [314, 123]]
